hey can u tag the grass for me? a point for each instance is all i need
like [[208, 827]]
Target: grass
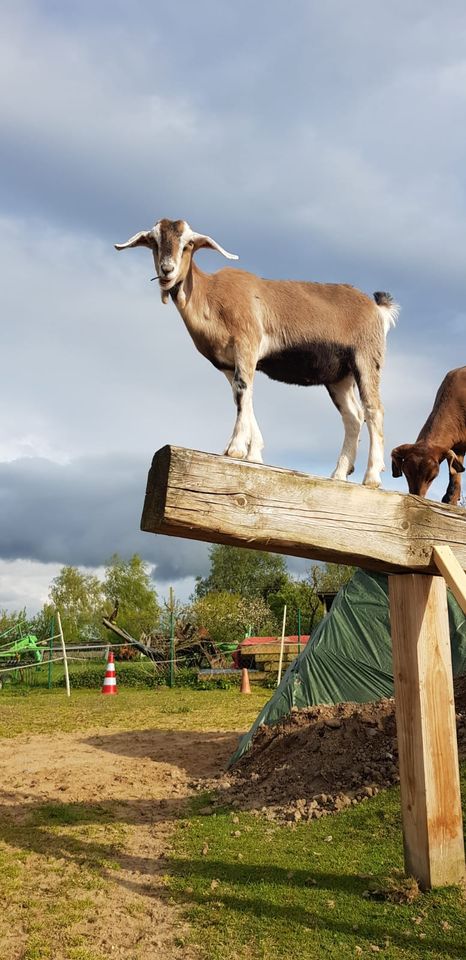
[[54, 869], [324, 889], [311, 891], [49, 711]]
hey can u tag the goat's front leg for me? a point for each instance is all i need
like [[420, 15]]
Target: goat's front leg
[[246, 442], [453, 491]]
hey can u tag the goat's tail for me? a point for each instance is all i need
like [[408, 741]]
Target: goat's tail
[[387, 309]]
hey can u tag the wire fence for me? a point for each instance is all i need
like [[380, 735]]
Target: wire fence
[[86, 668], [51, 662]]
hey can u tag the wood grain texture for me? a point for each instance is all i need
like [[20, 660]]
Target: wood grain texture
[[426, 728], [274, 648], [452, 573], [206, 497]]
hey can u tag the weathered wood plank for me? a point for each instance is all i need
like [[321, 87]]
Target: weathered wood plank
[[452, 573], [258, 649], [426, 729], [206, 497]]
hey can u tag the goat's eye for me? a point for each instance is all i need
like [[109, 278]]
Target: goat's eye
[[190, 244]]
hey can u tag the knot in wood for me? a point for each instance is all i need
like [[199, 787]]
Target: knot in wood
[[241, 500]]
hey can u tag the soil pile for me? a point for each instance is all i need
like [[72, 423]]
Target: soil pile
[[323, 759]]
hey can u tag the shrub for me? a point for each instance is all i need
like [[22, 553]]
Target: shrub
[[129, 675]]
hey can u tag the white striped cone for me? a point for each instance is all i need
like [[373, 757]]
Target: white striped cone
[[110, 684]]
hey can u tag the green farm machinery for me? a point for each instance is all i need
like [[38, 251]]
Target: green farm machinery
[[18, 649]]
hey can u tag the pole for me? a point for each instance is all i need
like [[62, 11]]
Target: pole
[[49, 681], [299, 631], [282, 645], [172, 639], [65, 661], [426, 728]]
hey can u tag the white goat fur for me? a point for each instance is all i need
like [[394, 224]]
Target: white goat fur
[[296, 332]]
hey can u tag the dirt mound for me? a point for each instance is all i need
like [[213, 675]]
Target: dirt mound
[[323, 759]]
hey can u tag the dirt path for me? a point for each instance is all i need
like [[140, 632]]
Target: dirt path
[[142, 779]]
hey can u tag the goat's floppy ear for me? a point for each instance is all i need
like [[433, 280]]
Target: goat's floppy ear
[[454, 465], [398, 455], [142, 239], [201, 240]]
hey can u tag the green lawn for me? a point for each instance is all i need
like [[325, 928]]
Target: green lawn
[[252, 890], [44, 711]]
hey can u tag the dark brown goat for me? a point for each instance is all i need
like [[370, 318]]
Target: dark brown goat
[[443, 437]]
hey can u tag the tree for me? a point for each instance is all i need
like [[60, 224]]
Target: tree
[[182, 618], [78, 597], [332, 576], [249, 573], [40, 624], [298, 595], [227, 617], [11, 618], [129, 582]]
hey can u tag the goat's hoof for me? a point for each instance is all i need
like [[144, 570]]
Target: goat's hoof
[[339, 475], [254, 456], [236, 453], [372, 480]]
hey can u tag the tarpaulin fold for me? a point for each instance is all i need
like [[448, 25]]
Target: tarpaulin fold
[[349, 657]]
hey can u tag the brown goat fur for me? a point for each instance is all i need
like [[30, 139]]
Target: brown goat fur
[[297, 332], [443, 437]]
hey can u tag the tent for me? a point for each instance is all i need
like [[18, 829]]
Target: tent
[[349, 657]]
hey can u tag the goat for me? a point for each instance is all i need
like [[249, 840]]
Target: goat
[[443, 437], [296, 332]]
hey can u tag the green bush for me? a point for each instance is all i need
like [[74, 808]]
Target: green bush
[[90, 674], [129, 675]]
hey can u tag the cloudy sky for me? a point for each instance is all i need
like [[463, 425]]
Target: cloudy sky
[[317, 141]]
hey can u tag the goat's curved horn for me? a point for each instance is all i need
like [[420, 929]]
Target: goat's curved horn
[[141, 239], [201, 240]]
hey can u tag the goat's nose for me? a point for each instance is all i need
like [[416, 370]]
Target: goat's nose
[[166, 268]]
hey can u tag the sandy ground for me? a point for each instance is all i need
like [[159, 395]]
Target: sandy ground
[[146, 776]]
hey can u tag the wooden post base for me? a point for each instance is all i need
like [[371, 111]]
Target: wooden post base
[[427, 745]]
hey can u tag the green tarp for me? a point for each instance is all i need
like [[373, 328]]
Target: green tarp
[[349, 657]]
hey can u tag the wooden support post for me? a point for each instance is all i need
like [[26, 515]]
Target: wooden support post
[[426, 728], [205, 497], [453, 573]]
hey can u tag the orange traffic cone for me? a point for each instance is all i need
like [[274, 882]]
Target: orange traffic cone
[[110, 684], [245, 686]]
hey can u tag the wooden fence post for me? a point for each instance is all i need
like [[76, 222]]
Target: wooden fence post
[[426, 729]]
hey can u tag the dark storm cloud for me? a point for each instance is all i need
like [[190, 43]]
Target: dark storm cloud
[[340, 136], [81, 513], [319, 142]]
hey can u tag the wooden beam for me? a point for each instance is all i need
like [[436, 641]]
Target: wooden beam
[[426, 728], [205, 497], [452, 572]]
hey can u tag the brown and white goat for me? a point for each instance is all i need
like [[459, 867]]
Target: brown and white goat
[[296, 332], [443, 437]]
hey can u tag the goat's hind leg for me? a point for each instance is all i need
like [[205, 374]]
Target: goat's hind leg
[[368, 380], [343, 396]]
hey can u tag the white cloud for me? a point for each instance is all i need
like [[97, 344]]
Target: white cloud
[[331, 150], [25, 583]]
